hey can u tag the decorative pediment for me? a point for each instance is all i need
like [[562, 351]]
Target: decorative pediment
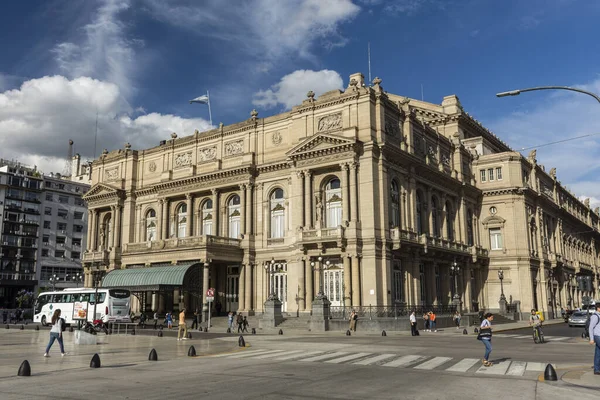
[[321, 144], [493, 220], [102, 191]]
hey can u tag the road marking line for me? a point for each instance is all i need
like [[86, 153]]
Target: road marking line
[[556, 338], [536, 366], [237, 353], [274, 354], [517, 368], [434, 362], [403, 361], [295, 354], [254, 354], [375, 359], [323, 357], [496, 369], [524, 337], [348, 358], [464, 365]]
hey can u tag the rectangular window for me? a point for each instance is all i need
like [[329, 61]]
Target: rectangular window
[[499, 173], [482, 172], [63, 214], [48, 210], [63, 199], [44, 252], [75, 255], [59, 253], [46, 238], [76, 241], [49, 197], [491, 174], [496, 239], [47, 224], [78, 215], [61, 226], [60, 240], [79, 229], [79, 202]]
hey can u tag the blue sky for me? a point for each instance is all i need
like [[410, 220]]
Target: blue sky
[[138, 62]]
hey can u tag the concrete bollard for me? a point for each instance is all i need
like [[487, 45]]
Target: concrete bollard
[[254, 331], [383, 333], [160, 334], [476, 330], [7, 326], [95, 362], [205, 329], [281, 331], [228, 330], [550, 373], [189, 335], [24, 369], [465, 331], [241, 342], [348, 332], [22, 328], [132, 331], [192, 351], [153, 356], [37, 327]]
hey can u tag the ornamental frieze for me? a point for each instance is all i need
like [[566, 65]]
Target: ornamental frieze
[[392, 128], [183, 159], [322, 159], [207, 154], [233, 148], [111, 174], [330, 122]]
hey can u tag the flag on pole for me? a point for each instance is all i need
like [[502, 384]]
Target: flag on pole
[[202, 99]]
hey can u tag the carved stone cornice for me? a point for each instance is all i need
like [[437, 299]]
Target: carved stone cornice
[[311, 106]]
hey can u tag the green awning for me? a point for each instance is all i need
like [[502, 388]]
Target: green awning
[[161, 276]]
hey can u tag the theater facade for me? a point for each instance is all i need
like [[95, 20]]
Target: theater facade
[[372, 198]]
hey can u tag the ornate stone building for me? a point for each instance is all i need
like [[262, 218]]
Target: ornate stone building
[[371, 197]]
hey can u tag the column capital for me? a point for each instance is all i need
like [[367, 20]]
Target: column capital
[[354, 165], [189, 196], [344, 166], [307, 173], [300, 174], [243, 186], [214, 192], [161, 201]]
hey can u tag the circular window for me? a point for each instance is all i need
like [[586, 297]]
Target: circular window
[[493, 210]]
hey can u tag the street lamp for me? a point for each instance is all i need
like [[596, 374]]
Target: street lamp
[[519, 91], [454, 272], [97, 277], [320, 269], [77, 278], [53, 280], [501, 277], [272, 270]]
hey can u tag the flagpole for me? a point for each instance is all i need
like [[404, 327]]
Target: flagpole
[[209, 112]]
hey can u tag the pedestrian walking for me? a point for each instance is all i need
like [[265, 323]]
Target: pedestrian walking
[[155, 319], [245, 325], [485, 335], [426, 322], [230, 320], [480, 314], [594, 332], [456, 318], [413, 324], [353, 319], [240, 322], [56, 333], [169, 320], [4, 316], [195, 320], [182, 326], [432, 322]]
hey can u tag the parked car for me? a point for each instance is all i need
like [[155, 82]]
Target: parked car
[[578, 318]]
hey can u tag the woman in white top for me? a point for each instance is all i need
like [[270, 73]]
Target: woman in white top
[[413, 324], [56, 333], [485, 335]]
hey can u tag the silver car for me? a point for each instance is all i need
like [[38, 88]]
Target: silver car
[[578, 318]]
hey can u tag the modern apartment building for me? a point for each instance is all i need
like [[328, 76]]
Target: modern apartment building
[[372, 198]]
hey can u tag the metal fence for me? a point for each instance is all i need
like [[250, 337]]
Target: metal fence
[[396, 311]]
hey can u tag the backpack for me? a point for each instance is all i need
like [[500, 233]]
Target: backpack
[[63, 325], [540, 315], [588, 322]]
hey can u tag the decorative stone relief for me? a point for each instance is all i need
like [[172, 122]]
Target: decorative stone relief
[[330, 122], [277, 138], [392, 128], [183, 159], [207, 154], [152, 166], [233, 148], [418, 143], [446, 159], [547, 191], [431, 152], [111, 174]]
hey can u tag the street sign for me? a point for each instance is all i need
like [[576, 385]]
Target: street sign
[[209, 298], [210, 292]]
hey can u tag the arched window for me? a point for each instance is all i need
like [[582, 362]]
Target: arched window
[[333, 204], [207, 217], [277, 214], [469, 228], [106, 233], [233, 213], [395, 201], [151, 226], [449, 221], [181, 220], [435, 220], [419, 214]]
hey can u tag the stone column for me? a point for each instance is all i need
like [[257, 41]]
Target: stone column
[[429, 211], [412, 207], [93, 231], [404, 216], [242, 288], [248, 287], [113, 228], [417, 281], [88, 246], [165, 220], [140, 221], [216, 209], [307, 199], [462, 220], [345, 192], [355, 281], [249, 196], [159, 220], [243, 209], [205, 287], [468, 299], [353, 192], [347, 281], [189, 203], [301, 288], [309, 284], [443, 221], [118, 227]]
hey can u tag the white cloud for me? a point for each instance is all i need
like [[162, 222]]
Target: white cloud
[[267, 30], [412, 7], [292, 88], [554, 117], [39, 118]]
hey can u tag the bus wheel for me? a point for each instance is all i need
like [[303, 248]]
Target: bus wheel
[[44, 321]]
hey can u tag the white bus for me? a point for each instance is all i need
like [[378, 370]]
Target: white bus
[[77, 304]]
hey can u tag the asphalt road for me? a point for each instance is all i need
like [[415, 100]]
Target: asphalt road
[[560, 330]]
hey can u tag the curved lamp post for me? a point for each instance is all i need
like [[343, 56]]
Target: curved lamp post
[[519, 91], [320, 269], [53, 281], [455, 271]]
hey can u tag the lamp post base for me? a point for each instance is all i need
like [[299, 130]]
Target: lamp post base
[[272, 316], [320, 314], [502, 304]]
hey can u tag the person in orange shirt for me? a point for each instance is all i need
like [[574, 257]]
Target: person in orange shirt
[[432, 321], [182, 326]]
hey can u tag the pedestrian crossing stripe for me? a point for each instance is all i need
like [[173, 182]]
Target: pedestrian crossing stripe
[[390, 360], [530, 336]]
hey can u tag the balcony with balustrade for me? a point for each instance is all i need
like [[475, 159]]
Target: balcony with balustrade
[[399, 237], [323, 236]]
